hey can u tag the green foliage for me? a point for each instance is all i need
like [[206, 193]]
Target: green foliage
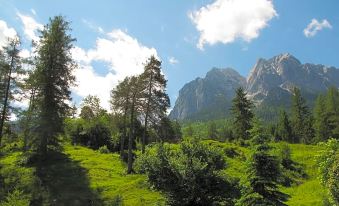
[[222, 129], [90, 108], [284, 129], [94, 134], [156, 101], [242, 114], [103, 149], [117, 201], [328, 162], [190, 174], [168, 131], [212, 130], [301, 119], [15, 198], [106, 174], [55, 76], [10, 63], [264, 174], [326, 114]]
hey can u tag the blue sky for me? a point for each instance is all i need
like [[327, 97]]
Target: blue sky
[[114, 38]]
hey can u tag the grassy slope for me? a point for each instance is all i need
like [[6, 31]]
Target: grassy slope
[[310, 192], [78, 176], [82, 174], [107, 175]]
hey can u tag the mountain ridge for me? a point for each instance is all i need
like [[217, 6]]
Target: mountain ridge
[[269, 83]]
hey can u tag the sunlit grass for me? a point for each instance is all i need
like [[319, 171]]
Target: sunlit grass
[[107, 175]]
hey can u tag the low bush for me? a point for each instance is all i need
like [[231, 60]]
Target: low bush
[[103, 149], [189, 175]]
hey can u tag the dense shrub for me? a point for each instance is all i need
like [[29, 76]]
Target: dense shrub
[[103, 149], [189, 174], [328, 162], [15, 198], [94, 134]]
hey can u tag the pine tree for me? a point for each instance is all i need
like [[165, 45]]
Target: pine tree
[[284, 129], [156, 101], [30, 115], [127, 98], [10, 63], [321, 124], [242, 114], [264, 173], [93, 103], [135, 108], [332, 111], [212, 130], [54, 68], [120, 104], [301, 119]]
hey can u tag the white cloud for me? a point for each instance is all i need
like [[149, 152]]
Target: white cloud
[[5, 33], [24, 53], [89, 82], [92, 26], [124, 55], [30, 26], [33, 11], [225, 21], [315, 26], [173, 60]]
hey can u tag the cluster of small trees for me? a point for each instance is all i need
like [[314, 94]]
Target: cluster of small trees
[[141, 97], [297, 125]]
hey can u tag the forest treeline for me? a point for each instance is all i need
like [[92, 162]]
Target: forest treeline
[[189, 173]]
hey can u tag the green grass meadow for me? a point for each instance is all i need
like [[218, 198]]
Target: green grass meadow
[[81, 176]]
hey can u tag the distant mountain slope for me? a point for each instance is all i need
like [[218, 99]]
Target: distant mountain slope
[[271, 81], [269, 84], [205, 98]]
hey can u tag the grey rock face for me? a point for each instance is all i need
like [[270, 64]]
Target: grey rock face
[[270, 82], [203, 94]]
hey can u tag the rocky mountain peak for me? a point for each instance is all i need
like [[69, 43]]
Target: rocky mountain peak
[[204, 95], [270, 82]]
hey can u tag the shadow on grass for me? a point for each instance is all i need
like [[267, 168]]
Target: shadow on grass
[[63, 182]]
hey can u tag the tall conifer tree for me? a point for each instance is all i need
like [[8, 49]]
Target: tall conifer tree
[[242, 114], [10, 63], [156, 101], [284, 129], [301, 119], [54, 68]]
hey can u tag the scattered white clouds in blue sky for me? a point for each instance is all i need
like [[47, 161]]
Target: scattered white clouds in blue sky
[[30, 26], [5, 33], [124, 55], [92, 26], [225, 21], [173, 60], [33, 12], [315, 26], [116, 38]]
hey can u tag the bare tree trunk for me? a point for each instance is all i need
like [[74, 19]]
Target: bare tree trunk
[[123, 136], [130, 140]]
